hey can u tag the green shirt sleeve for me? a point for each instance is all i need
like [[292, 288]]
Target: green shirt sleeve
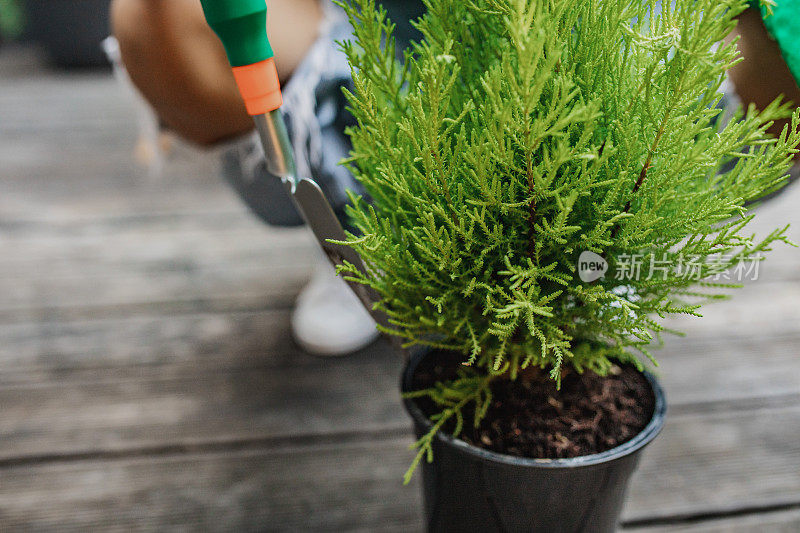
[[784, 26]]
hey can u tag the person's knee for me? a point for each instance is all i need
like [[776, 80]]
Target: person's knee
[[129, 24], [179, 67]]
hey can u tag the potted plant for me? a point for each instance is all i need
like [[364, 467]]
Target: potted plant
[[519, 160]]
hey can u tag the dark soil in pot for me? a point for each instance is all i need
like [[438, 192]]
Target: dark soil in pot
[[531, 417], [588, 436]]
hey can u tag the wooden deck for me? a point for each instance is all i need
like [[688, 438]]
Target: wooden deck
[[148, 380]]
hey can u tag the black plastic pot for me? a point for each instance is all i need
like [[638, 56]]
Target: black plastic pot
[[469, 489]]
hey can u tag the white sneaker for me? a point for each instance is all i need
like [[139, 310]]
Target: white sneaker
[[328, 319]]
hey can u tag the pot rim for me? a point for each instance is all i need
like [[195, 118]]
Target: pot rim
[[650, 431]]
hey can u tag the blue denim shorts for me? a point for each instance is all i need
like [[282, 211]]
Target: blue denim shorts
[[314, 110]]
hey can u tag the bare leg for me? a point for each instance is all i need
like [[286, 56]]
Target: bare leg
[[762, 75], [180, 67]]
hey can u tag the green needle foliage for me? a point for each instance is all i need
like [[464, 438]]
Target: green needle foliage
[[518, 134]]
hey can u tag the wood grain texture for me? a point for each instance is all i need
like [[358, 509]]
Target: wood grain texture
[[698, 466], [138, 382], [787, 521]]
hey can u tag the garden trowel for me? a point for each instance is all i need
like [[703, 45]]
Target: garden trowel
[[241, 26]]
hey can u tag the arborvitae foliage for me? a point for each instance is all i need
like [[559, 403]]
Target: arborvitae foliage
[[518, 134]]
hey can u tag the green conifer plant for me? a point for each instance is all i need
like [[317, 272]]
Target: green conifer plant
[[518, 134]]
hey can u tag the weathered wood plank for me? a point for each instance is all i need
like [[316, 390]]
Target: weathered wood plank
[[153, 268], [756, 522], [701, 464], [252, 490], [181, 405], [66, 143], [143, 382], [205, 264], [224, 340], [718, 463], [50, 367], [770, 311], [758, 308]]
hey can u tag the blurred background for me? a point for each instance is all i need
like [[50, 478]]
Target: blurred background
[[148, 379], [67, 30]]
